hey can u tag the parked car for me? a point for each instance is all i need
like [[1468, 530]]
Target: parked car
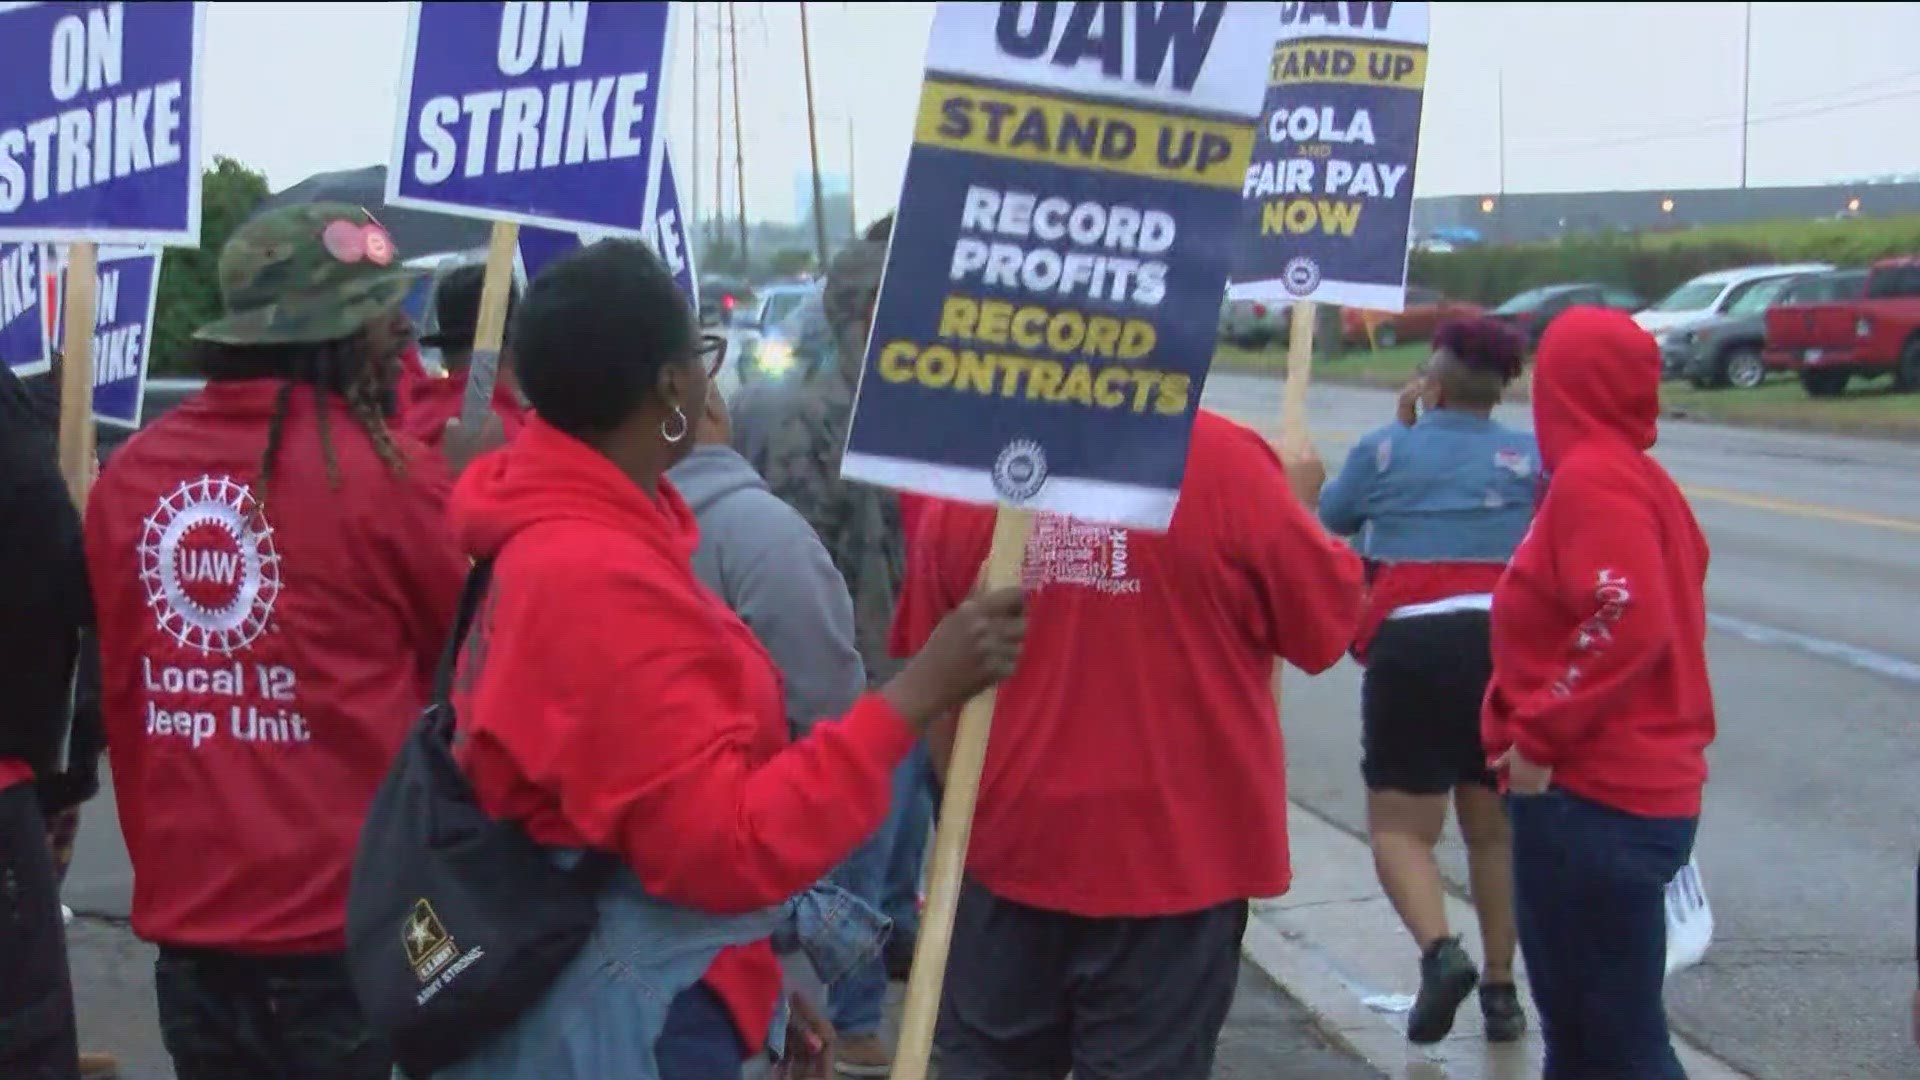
[[1531, 311], [1709, 295], [758, 344], [1424, 310], [720, 297], [1832, 342], [1253, 324], [1729, 349]]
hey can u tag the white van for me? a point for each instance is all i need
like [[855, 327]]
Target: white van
[[1709, 295]]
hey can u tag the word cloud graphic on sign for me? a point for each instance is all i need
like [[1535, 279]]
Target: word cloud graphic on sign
[[1329, 196], [667, 235], [100, 122], [546, 114], [1064, 234], [125, 294]]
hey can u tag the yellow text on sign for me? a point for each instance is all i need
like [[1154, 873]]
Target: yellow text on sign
[[1348, 62], [1082, 135]]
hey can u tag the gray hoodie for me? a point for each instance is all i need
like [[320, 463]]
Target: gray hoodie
[[761, 557]]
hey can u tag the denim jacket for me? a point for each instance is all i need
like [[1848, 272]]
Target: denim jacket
[[1453, 487], [603, 1015]]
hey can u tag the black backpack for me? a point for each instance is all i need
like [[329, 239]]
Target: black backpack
[[456, 923]]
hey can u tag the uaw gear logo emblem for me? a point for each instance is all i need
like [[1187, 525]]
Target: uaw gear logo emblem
[[1301, 275], [1020, 471], [209, 566], [429, 947]]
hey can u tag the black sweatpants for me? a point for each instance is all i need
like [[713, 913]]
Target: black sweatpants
[[37, 1034], [1034, 995]]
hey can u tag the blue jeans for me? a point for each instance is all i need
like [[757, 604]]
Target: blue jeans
[[1590, 895], [699, 1041], [913, 798], [855, 1002]]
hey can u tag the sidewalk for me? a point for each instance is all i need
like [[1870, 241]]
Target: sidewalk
[[1268, 1035], [1335, 945]]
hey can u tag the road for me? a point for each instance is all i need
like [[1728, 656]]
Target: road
[[1808, 837]]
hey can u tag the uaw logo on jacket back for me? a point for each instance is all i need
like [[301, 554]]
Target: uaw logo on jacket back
[[207, 559], [211, 573]]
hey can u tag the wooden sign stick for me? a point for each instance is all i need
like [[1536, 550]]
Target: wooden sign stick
[[76, 371], [1293, 404], [1011, 528], [490, 329]]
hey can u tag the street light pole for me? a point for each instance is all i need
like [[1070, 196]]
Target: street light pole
[[1746, 93], [813, 144], [739, 132]]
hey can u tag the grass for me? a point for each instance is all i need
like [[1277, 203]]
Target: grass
[[1866, 409]]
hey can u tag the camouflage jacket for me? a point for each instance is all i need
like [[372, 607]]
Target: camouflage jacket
[[794, 435]]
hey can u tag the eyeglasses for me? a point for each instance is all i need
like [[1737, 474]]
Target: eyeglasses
[[712, 353]]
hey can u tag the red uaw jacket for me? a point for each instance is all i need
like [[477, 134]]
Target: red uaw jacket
[[1599, 624], [1136, 766], [260, 671], [610, 700]]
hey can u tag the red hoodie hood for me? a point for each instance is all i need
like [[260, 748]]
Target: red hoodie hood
[[546, 476], [1596, 377]]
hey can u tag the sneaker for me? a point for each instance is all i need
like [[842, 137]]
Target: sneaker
[[1447, 976], [1500, 1008], [862, 1055], [99, 1066]]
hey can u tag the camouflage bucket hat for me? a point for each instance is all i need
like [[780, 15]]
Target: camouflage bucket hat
[[307, 274]]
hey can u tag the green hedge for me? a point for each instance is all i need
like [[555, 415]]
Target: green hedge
[[1652, 264]]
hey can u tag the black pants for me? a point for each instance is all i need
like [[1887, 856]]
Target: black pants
[[37, 1034], [1032, 995], [264, 1017]]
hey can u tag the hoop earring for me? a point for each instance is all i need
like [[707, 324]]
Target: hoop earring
[[674, 435]]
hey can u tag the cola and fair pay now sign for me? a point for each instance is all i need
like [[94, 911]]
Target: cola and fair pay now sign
[[541, 113]]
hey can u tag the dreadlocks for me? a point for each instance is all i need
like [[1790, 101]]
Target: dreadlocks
[[335, 367]]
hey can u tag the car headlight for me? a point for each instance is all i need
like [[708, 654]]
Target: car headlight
[[1863, 327], [775, 357]]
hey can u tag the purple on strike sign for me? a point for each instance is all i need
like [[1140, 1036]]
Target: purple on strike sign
[[667, 235], [542, 113], [128, 285], [100, 122], [23, 342]]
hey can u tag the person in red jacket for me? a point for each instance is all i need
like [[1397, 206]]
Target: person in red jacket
[[1599, 710], [1134, 796], [433, 402], [274, 579], [609, 700]]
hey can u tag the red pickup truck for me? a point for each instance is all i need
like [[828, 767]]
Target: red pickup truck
[[1829, 344]]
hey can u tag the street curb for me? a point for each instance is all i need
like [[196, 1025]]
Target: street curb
[[1319, 942]]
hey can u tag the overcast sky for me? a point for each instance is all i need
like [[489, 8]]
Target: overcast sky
[[1604, 95]]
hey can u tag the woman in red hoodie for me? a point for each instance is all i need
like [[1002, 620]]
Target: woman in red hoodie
[[1599, 709], [273, 582], [610, 701]]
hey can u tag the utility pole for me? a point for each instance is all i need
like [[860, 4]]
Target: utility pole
[[813, 144], [1746, 93], [693, 168], [1501, 130], [716, 223], [853, 215], [739, 132]]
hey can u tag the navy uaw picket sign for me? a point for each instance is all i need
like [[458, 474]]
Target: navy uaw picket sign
[[1330, 191], [1062, 243]]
